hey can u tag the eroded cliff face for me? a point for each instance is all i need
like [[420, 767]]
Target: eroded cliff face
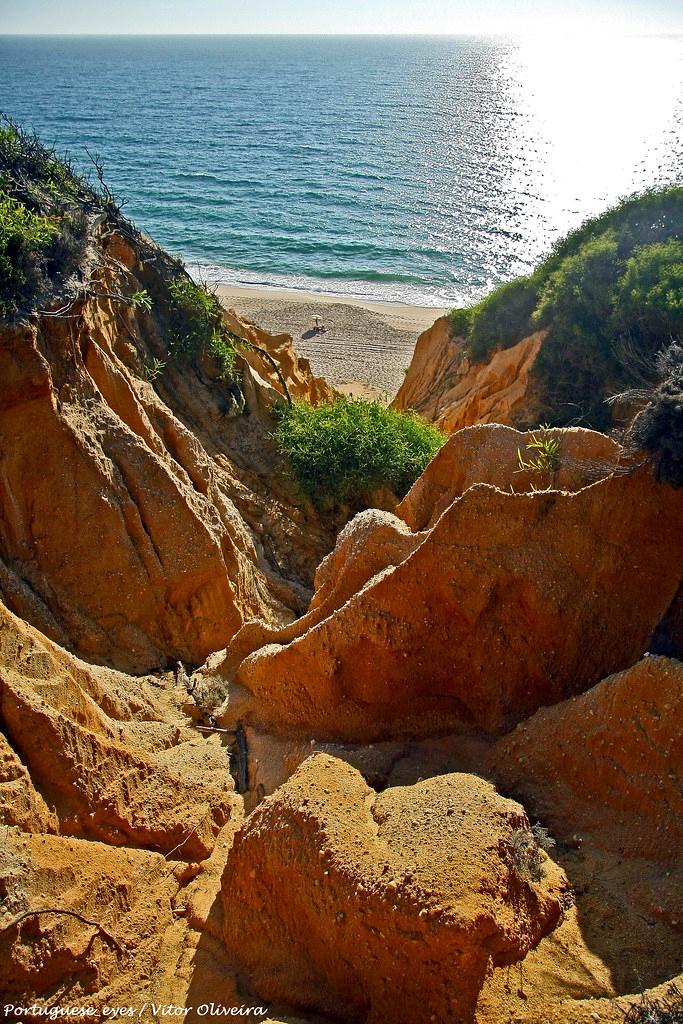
[[331, 818], [447, 388], [115, 809], [386, 881], [144, 521]]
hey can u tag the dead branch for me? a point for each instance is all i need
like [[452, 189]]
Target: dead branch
[[188, 836], [68, 913], [269, 359]]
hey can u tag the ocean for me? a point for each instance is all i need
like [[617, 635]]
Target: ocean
[[423, 170]]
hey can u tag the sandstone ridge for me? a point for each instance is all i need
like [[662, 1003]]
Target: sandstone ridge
[[457, 624]]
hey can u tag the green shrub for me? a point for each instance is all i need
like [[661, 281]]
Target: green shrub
[[459, 322], [503, 318], [24, 238], [197, 324], [43, 220], [652, 216], [649, 299], [582, 289], [23, 155], [577, 361], [343, 450]]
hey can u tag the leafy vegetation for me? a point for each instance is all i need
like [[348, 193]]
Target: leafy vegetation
[[141, 300], [25, 239], [609, 294], [197, 324], [546, 448], [154, 370], [43, 207], [505, 313], [343, 450]]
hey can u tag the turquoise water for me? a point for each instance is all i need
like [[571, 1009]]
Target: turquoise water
[[422, 170]]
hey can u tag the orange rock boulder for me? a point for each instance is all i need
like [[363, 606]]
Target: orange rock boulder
[[381, 907]]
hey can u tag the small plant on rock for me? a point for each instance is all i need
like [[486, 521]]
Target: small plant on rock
[[524, 846], [668, 1010], [546, 447], [141, 300], [154, 370]]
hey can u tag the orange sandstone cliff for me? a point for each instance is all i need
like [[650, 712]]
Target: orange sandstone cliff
[[446, 387], [443, 784], [143, 521]]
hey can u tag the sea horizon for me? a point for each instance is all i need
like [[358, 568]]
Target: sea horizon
[[411, 169]]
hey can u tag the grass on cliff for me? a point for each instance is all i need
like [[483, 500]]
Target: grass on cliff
[[610, 295], [341, 451], [43, 219]]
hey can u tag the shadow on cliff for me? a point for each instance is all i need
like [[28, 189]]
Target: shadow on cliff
[[215, 980]]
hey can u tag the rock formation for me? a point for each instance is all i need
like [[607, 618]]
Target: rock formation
[[102, 778], [143, 522], [502, 602], [382, 907], [446, 387], [607, 764], [110, 761]]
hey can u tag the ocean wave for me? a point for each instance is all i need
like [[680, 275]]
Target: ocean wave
[[375, 288]]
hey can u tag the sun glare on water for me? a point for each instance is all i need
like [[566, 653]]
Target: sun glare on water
[[602, 117]]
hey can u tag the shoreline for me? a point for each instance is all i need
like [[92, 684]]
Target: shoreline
[[366, 346]]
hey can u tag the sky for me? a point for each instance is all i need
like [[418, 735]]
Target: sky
[[438, 17]]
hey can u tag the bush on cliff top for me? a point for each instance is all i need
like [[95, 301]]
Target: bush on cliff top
[[26, 239], [609, 293], [343, 450], [42, 219]]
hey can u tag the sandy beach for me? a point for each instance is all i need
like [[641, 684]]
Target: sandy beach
[[366, 346]]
